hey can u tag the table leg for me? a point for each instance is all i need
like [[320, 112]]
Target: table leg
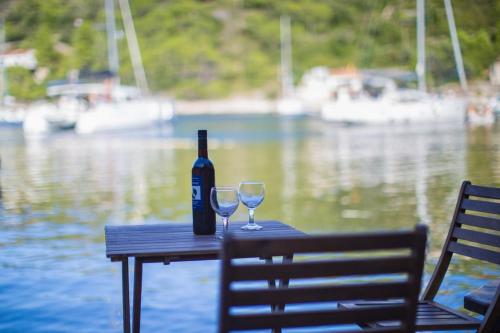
[[136, 322], [271, 283], [125, 296]]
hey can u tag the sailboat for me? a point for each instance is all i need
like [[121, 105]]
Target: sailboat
[[288, 104], [89, 105], [380, 101]]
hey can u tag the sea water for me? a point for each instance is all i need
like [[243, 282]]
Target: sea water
[[58, 192]]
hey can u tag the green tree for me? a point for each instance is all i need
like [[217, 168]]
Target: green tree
[[21, 18], [22, 86], [83, 46], [200, 48], [43, 43]]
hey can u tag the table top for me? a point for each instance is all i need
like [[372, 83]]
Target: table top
[[176, 242]]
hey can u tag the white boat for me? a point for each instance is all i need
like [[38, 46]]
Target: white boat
[[368, 98], [385, 104], [315, 88], [476, 118], [290, 106], [46, 117], [96, 105], [481, 112], [11, 115], [112, 116]]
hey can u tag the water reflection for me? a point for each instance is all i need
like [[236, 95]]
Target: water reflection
[[289, 169], [1, 192], [347, 178], [58, 193]]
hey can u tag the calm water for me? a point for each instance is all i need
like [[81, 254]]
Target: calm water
[[59, 192]]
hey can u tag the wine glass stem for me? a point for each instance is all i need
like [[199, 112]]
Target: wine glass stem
[[225, 223], [250, 216]]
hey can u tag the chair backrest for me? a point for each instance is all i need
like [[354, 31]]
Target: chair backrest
[[390, 266], [473, 231]]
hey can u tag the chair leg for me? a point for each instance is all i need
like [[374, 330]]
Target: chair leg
[[491, 321]]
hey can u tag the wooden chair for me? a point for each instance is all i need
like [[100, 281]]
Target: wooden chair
[[318, 281], [474, 234]]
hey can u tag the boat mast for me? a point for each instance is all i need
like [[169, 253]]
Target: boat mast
[[3, 68], [286, 57], [113, 58], [133, 46], [456, 45], [420, 69]]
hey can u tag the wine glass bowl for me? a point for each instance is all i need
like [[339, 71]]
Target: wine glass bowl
[[224, 201], [251, 195]]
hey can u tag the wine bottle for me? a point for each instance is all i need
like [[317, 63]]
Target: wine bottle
[[203, 179]]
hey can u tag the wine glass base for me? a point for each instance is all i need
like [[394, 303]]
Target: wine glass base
[[252, 227]]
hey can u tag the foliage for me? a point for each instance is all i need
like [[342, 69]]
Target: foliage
[[84, 44], [22, 85], [43, 43], [203, 48]]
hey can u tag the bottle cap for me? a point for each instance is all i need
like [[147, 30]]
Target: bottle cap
[[202, 134]]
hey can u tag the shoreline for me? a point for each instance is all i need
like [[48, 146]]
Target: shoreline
[[225, 106]]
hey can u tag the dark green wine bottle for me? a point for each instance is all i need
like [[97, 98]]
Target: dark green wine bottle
[[203, 179]]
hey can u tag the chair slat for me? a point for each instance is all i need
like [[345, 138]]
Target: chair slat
[[483, 191], [433, 316], [378, 330], [430, 316], [445, 324], [481, 206], [479, 221], [320, 293], [266, 246], [316, 318], [477, 237], [339, 267], [475, 252]]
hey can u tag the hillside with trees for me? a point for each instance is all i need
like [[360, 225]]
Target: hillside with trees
[[206, 49]]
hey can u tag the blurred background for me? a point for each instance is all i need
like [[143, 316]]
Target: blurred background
[[357, 115], [209, 49]]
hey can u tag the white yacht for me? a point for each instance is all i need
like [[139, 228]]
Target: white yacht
[[370, 98], [124, 113], [101, 103], [380, 101], [95, 107], [11, 113]]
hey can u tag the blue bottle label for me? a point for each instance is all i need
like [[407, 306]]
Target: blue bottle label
[[197, 198]]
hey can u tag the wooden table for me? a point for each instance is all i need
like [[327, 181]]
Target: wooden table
[[166, 243]]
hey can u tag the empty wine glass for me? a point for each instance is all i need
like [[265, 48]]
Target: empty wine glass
[[224, 201], [252, 195]]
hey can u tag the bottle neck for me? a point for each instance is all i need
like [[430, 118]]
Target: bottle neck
[[202, 148]]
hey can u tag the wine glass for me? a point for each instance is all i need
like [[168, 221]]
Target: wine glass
[[251, 195], [224, 201]]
